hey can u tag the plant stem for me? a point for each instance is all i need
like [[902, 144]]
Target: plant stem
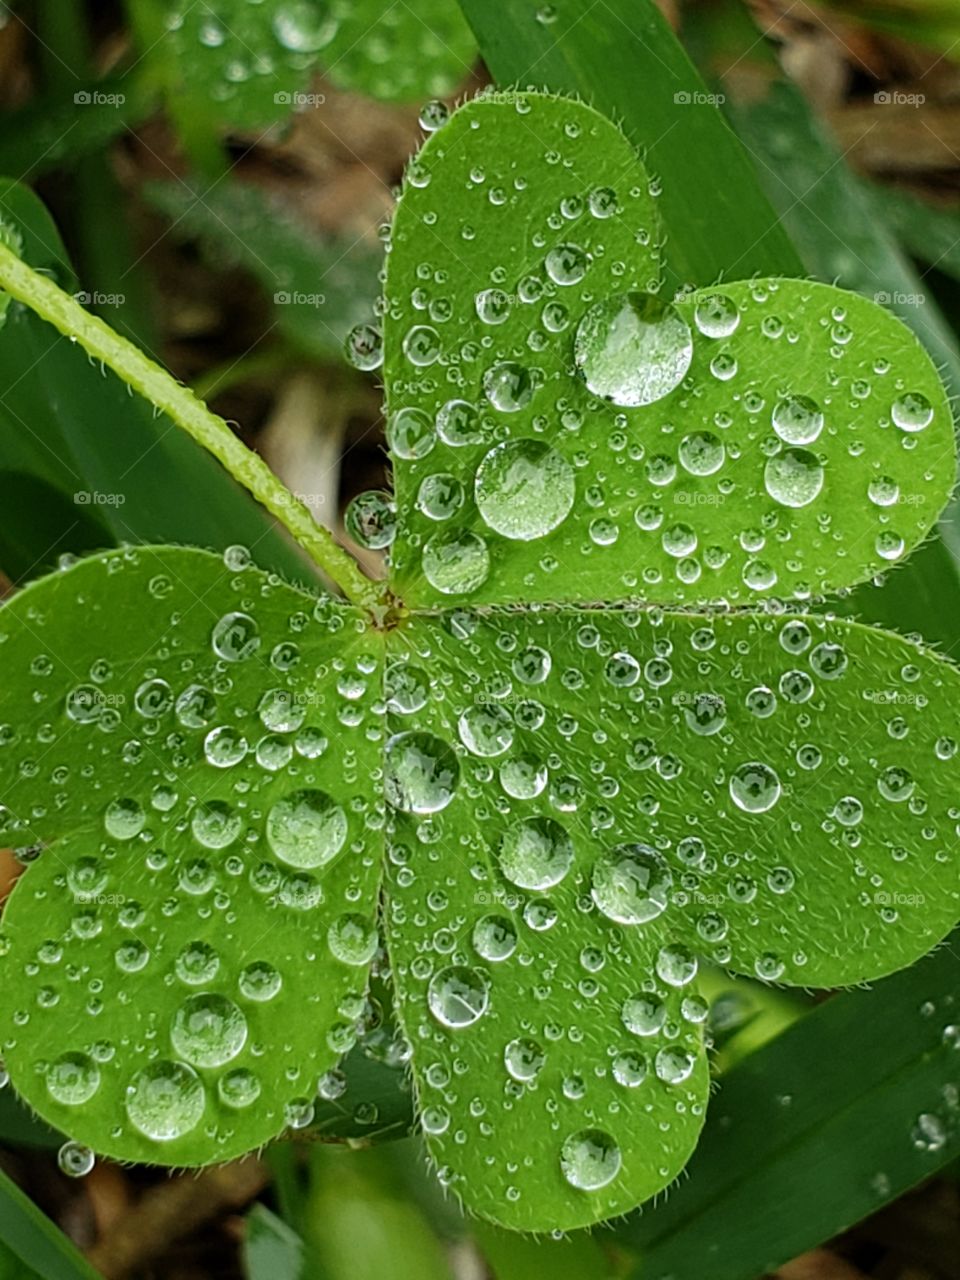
[[188, 412]]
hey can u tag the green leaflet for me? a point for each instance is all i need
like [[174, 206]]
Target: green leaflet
[[191, 743], [401, 52], [561, 435], [246, 65], [239, 64], [632, 790]]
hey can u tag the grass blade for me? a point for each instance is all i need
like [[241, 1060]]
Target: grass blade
[[847, 1109]]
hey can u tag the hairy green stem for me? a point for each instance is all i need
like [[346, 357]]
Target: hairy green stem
[[179, 403]]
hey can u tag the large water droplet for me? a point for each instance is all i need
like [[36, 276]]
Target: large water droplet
[[633, 348], [794, 477], [165, 1101], [421, 773], [524, 489], [306, 829], [631, 884], [457, 996], [754, 787], [535, 853], [208, 1030], [589, 1159]]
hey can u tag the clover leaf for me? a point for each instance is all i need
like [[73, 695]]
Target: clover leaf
[[249, 64], [574, 803], [188, 744], [561, 432]]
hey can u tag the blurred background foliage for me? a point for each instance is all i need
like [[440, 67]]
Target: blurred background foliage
[[214, 177]]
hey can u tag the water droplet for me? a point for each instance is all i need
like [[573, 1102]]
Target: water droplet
[[410, 434], [259, 981], [566, 264], [486, 729], [508, 386], [73, 1079], [215, 825], [352, 939], [701, 453], [124, 819], [456, 564], [197, 963], [75, 1160], [797, 420], [421, 773], [674, 1065], [912, 412], [633, 349], [440, 496], [523, 777], [643, 1015], [457, 996], [629, 1069], [896, 784], [236, 637], [363, 347], [165, 1101], [524, 489], [716, 315], [371, 519], [494, 938], [208, 1030], [238, 1088], [523, 1060], [631, 884], [306, 829], [535, 853], [589, 1159], [754, 787], [794, 477]]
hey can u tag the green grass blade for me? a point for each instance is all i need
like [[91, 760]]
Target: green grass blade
[[622, 58], [931, 234], [846, 1110], [36, 1241], [271, 1249]]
